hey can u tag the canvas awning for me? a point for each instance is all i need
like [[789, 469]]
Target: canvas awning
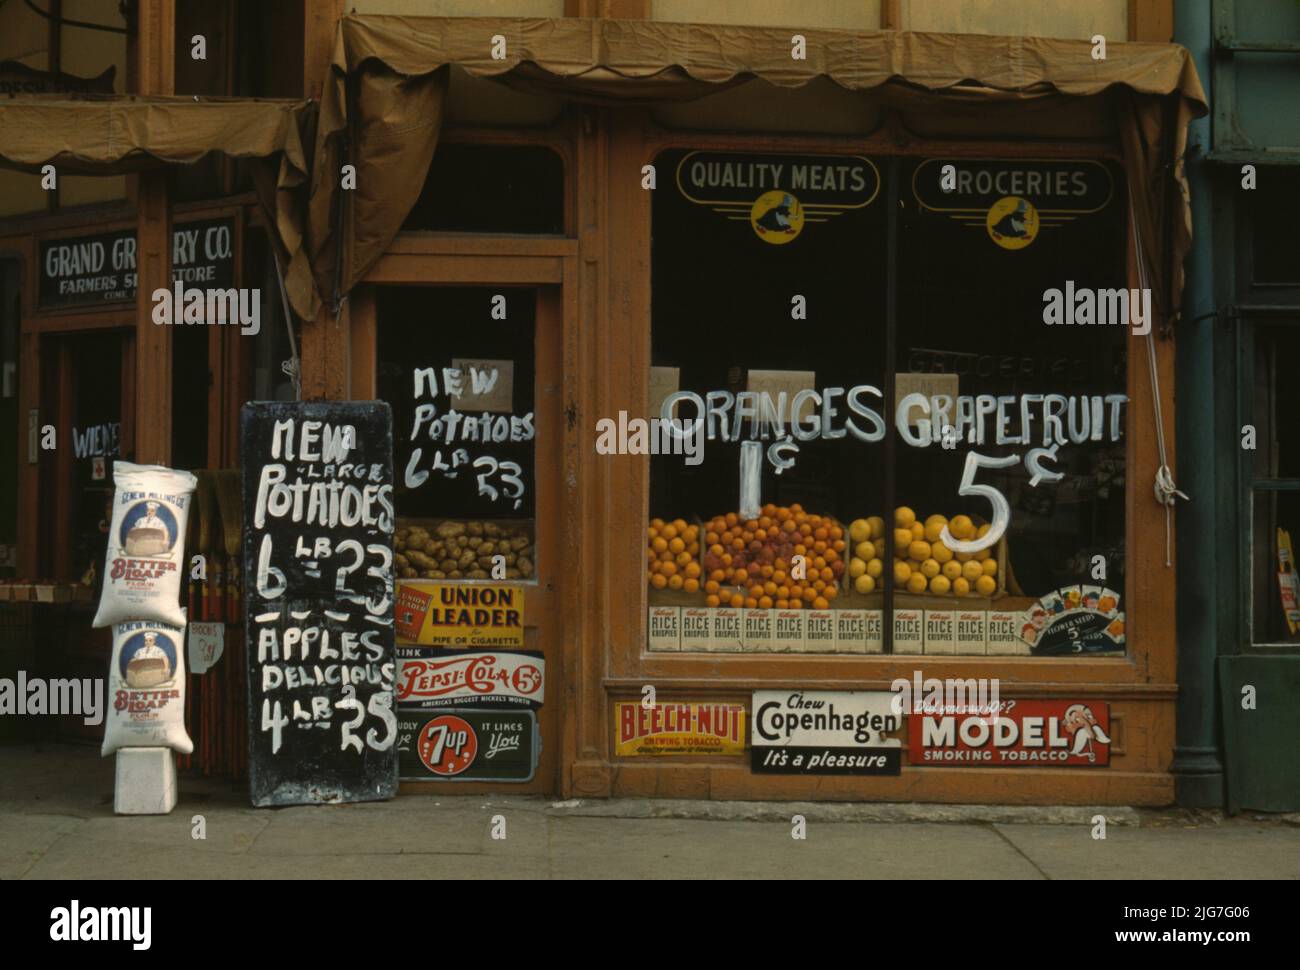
[[112, 135], [389, 80]]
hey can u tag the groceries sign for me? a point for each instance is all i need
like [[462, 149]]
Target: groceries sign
[[87, 270], [778, 194], [1011, 200]]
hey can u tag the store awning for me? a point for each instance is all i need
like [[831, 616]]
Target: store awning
[[389, 80], [112, 135]]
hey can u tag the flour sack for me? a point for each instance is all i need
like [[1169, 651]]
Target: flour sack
[[146, 545], [146, 688]]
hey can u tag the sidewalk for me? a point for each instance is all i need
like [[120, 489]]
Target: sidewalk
[[57, 822]]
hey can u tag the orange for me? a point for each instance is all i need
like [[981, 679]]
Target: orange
[[691, 586], [669, 531], [765, 602], [711, 601], [692, 570], [675, 582], [821, 603], [668, 568], [658, 581], [656, 524], [751, 603], [737, 601], [659, 545]]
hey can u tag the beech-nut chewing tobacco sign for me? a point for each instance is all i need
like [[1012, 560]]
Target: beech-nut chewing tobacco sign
[[677, 728]]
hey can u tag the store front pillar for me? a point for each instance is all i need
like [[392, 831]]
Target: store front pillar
[[1198, 763]]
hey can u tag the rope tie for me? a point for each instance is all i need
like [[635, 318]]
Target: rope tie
[[1166, 491]]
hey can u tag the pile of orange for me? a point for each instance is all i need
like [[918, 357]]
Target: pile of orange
[[757, 556], [671, 551]]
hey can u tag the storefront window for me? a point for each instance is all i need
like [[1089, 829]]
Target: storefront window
[[491, 188], [457, 366], [1271, 442], [980, 509]]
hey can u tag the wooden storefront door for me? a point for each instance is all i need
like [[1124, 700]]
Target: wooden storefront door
[[414, 346]]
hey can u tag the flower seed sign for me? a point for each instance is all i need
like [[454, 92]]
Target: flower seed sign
[[318, 611], [825, 733], [778, 195]]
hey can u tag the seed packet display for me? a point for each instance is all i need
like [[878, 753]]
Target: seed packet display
[[146, 684], [146, 544]]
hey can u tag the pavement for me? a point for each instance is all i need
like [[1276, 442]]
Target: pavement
[[57, 822]]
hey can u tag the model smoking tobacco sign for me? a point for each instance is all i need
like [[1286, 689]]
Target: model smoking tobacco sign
[[1012, 199], [778, 194], [318, 614], [1021, 733]]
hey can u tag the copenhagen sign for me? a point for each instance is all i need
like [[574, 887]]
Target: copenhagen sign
[[825, 733], [88, 270]]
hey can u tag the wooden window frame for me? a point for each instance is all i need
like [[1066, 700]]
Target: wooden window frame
[[1145, 676]]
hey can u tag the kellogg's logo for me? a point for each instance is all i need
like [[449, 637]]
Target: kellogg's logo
[[503, 678]]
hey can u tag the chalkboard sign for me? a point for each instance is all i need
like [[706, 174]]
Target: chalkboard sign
[[318, 610]]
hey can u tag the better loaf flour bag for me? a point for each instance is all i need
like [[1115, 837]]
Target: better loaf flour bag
[[146, 684], [146, 545]]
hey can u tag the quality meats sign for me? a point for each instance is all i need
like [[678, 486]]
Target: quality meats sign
[[102, 269], [825, 733], [776, 194], [1021, 733], [450, 678]]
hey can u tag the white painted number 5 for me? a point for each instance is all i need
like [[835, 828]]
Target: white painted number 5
[[1001, 509]]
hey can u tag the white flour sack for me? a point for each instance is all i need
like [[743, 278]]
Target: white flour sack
[[146, 688], [146, 545]]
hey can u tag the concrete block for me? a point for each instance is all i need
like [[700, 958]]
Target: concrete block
[[146, 781]]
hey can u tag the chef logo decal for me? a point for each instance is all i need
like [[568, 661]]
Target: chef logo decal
[[147, 660], [777, 217], [1011, 200], [148, 530], [447, 745], [1012, 222], [777, 194]]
